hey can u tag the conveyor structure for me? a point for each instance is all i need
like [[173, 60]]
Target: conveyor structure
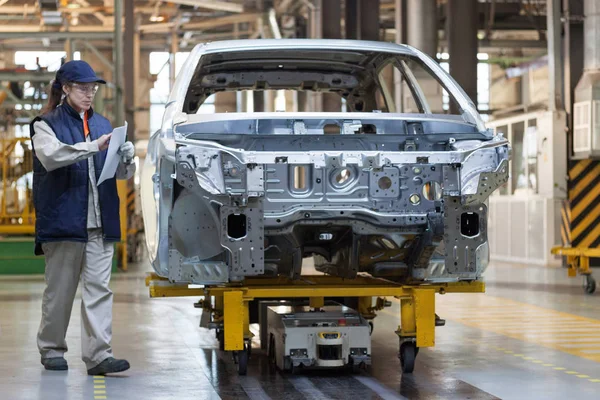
[[227, 306]]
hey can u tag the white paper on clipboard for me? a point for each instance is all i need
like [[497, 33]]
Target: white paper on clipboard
[[112, 158]]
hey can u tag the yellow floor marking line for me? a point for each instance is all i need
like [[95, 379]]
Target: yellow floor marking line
[[538, 362], [99, 387], [524, 325]]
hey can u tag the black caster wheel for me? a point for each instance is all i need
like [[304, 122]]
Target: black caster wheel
[[242, 361], [221, 339], [271, 350], [408, 354], [590, 284], [248, 347], [288, 366], [355, 368]]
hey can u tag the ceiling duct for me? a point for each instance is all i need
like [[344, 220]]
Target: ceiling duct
[[50, 13]]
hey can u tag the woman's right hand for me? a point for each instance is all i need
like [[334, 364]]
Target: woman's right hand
[[103, 141]]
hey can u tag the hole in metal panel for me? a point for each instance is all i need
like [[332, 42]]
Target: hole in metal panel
[[384, 183], [469, 224], [415, 199], [343, 176], [236, 226], [331, 129], [299, 177], [388, 243], [432, 191]]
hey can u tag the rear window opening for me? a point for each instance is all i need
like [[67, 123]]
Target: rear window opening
[[318, 81]]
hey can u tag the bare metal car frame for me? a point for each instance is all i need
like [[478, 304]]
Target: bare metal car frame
[[396, 195]]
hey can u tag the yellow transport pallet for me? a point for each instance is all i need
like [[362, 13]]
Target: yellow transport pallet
[[228, 305], [578, 262]]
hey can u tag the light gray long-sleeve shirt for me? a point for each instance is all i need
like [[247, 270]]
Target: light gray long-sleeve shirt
[[54, 154]]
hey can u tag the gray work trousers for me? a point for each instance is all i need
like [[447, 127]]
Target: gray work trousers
[[66, 264]]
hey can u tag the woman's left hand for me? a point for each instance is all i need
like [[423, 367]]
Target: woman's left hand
[[127, 152]]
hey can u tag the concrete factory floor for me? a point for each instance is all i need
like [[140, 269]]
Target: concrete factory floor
[[533, 335]]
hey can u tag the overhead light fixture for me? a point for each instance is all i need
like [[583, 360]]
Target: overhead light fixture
[[156, 17], [73, 5]]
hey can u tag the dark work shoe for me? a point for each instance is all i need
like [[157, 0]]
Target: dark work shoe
[[55, 364], [109, 366]]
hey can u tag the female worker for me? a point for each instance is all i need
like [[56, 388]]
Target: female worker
[[77, 221]]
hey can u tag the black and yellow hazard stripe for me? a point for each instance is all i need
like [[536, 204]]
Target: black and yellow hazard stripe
[[565, 227], [584, 201], [131, 202]]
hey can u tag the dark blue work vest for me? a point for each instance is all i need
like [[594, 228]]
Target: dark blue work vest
[[60, 197]]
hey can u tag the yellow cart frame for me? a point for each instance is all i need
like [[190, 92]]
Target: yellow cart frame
[[578, 263], [228, 304]]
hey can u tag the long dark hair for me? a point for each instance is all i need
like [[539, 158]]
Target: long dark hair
[[54, 97]]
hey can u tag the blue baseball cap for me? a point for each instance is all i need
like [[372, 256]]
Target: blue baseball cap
[[77, 71]]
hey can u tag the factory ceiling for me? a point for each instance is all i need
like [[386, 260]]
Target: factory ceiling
[[29, 24]]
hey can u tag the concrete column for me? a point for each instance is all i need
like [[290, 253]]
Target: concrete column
[[142, 101], [259, 101], [225, 102], [130, 72], [573, 50], [369, 19], [351, 19], [362, 19], [331, 20], [119, 112], [331, 28], [302, 100], [69, 49], [462, 45], [174, 50], [291, 101], [422, 29], [270, 101], [555, 59], [401, 33]]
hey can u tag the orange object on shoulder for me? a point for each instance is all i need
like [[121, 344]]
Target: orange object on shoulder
[[86, 129]]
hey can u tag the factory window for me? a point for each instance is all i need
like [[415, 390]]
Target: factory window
[[42, 60], [504, 131], [524, 175], [160, 66], [524, 163], [483, 82], [519, 168], [29, 96]]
